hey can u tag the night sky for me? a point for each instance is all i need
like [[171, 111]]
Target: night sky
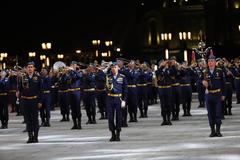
[[68, 25]]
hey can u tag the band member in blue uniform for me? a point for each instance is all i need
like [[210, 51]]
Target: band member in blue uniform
[[29, 91], [74, 94], [89, 94], [63, 94], [214, 82], [164, 82], [143, 90], [12, 93], [46, 97], [101, 94], [198, 78], [236, 73], [117, 94], [132, 75], [4, 99]]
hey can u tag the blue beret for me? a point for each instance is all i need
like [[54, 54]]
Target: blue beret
[[114, 64], [31, 63], [74, 62], [211, 57]]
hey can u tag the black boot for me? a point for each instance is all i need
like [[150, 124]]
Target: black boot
[[89, 120], [184, 110], [213, 133], [145, 113], [63, 119], [229, 111], [43, 122], [102, 116], [30, 137], [168, 120], [74, 124], [131, 117], [47, 124], [164, 120], [35, 137], [94, 120], [118, 135], [79, 123], [67, 119], [218, 133], [135, 117], [113, 138], [189, 109]]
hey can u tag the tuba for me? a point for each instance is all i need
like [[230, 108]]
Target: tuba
[[58, 66]]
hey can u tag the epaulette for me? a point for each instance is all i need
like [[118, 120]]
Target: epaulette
[[218, 68]]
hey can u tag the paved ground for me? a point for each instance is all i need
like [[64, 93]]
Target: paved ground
[[146, 140]]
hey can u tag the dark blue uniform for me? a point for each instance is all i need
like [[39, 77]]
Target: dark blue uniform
[[143, 92], [186, 90], [89, 96], [165, 93], [74, 98], [12, 94], [63, 96], [131, 76], [101, 93], [30, 88], [4, 102], [116, 94], [213, 94], [236, 73], [200, 87], [46, 100]]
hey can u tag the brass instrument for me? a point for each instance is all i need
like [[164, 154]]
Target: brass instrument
[[109, 83], [58, 66]]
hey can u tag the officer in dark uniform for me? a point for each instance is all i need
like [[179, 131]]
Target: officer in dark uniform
[[29, 91], [4, 99], [12, 93], [163, 75], [89, 94], [74, 94], [101, 94], [117, 94], [213, 82], [46, 97], [123, 70]]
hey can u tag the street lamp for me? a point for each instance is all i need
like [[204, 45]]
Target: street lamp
[[166, 54], [78, 51], [46, 46], [239, 27], [60, 56], [32, 54]]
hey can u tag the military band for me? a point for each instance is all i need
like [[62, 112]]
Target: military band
[[108, 86]]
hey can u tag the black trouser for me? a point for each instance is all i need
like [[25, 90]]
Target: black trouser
[[4, 110], [31, 114], [89, 101], [101, 102]]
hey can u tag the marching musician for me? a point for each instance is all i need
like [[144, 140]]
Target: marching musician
[[101, 94], [214, 83], [88, 86], [46, 98], [236, 73], [4, 115], [132, 76], [117, 95], [29, 91], [74, 94]]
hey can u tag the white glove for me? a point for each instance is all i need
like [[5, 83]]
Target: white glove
[[123, 104]]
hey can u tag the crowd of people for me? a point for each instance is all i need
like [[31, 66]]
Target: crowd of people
[[121, 90]]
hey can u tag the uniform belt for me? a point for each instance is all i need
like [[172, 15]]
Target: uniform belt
[[63, 91], [214, 91], [74, 89], [185, 85], [131, 86], [175, 84], [99, 90], [164, 86], [140, 85], [89, 90], [46, 91], [3, 94], [237, 77], [114, 95], [28, 97], [12, 91]]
